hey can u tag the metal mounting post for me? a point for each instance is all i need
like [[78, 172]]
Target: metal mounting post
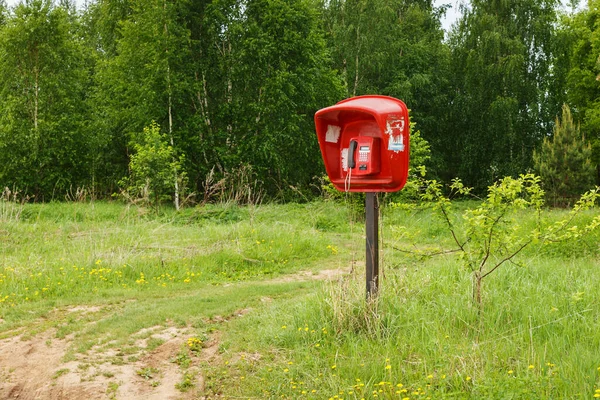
[[372, 230]]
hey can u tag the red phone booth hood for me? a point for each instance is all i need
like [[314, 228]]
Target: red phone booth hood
[[379, 120]]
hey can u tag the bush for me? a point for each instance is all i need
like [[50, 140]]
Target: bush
[[155, 171]]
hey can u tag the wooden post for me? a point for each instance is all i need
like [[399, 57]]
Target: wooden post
[[372, 257]]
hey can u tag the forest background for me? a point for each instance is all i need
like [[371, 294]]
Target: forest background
[[200, 95]]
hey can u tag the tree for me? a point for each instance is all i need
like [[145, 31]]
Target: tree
[[581, 44], [564, 162], [280, 78], [261, 71], [43, 88], [3, 12], [491, 234], [154, 168], [146, 78], [393, 48], [502, 59]]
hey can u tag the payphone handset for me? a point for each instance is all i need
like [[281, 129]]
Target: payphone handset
[[362, 156]]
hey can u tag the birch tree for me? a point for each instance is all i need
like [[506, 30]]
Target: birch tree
[[502, 69], [43, 82], [145, 80]]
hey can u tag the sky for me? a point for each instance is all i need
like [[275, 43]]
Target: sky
[[451, 14]]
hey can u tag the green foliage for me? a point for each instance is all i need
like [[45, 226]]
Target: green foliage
[[147, 372], [154, 167], [501, 70], [44, 146], [3, 12], [492, 234], [580, 45], [392, 48], [564, 162], [187, 382], [235, 85]]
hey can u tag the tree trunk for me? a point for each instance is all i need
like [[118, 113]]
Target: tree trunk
[[175, 175], [170, 107], [356, 61], [36, 99], [477, 287]]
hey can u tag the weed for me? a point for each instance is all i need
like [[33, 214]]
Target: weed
[[60, 373], [112, 389], [147, 372], [182, 359], [187, 382]]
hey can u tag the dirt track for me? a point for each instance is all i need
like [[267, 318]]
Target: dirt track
[[34, 369], [43, 367]]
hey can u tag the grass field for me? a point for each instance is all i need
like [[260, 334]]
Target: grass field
[[242, 288]]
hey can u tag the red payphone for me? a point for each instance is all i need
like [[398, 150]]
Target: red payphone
[[364, 141], [365, 146], [361, 156]]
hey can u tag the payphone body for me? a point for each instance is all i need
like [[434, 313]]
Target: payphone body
[[364, 141]]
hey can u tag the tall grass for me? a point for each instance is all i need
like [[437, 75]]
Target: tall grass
[[537, 337], [11, 204], [61, 251]]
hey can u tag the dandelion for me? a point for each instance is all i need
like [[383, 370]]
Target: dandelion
[[531, 366], [468, 378], [333, 366], [388, 367], [510, 371]]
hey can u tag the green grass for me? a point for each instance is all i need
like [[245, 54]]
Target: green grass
[[537, 337], [61, 252]]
